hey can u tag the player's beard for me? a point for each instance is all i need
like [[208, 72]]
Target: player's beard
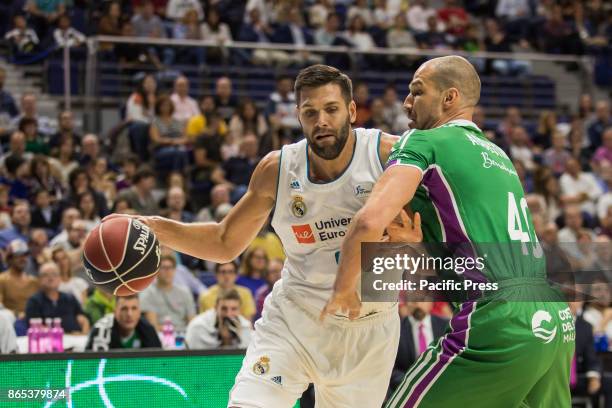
[[330, 152]]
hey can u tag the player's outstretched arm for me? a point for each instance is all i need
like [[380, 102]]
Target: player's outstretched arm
[[224, 241], [392, 191]]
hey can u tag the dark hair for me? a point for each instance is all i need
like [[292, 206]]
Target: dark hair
[[74, 174], [141, 91], [36, 160], [12, 163], [319, 75], [80, 197], [160, 101], [142, 173], [25, 122], [218, 266], [231, 294]]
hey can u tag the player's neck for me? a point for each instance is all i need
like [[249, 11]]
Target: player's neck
[[461, 114], [326, 170]]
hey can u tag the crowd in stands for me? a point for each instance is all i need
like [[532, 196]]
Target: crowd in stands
[[552, 26]]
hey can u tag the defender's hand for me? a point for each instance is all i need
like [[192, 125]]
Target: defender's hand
[[405, 229]]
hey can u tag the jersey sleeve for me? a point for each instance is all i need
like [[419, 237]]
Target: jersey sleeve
[[413, 149]]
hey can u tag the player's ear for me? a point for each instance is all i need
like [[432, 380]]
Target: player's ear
[[352, 108], [450, 97]]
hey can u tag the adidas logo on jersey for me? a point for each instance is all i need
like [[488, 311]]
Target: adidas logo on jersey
[[296, 185], [278, 379]]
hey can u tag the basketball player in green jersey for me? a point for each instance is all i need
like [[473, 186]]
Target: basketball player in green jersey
[[495, 353]]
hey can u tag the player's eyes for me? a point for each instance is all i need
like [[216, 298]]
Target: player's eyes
[[332, 110], [309, 114]]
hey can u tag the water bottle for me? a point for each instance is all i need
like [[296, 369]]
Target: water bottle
[[44, 341], [33, 335], [179, 342], [57, 336], [168, 334]]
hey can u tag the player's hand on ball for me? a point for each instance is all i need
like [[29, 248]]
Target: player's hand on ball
[[405, 229], [342, 304]]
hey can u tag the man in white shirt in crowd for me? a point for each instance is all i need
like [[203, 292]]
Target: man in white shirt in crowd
[[222, 326], [185, 106], [579, 187]]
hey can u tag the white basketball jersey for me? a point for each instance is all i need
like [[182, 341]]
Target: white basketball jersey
[[311, 218]]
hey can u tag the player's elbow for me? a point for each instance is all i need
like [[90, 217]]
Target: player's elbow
[[367, 224]]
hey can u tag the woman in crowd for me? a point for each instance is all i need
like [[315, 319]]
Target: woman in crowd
[[246, 119], [253, 269], [70, 284], [167, 137]]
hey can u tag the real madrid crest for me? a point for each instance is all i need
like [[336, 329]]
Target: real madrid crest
[[298, 207], [262, 366]]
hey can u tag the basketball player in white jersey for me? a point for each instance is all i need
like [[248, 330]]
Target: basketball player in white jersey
[[315, 187]]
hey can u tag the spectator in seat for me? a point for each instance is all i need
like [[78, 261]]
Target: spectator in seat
[[579, 187], [42, 178], [417, 331], [74, 285], [597, 311], [520, 147], [221, 327], [360, 8], [220, 194], [328, 34], [362, 100], [68, 216], [418, 16], [16, 178], [394, 110], [37, 243], [49, 302], [188, 28], [225, 102], [601, 122], [80, 182], [176, 9], [16, 287], [272, 275], [99, 304], [66, 36], [398, 36], [200, 124], [64, 161], [547, 127], [20, 220], [140, 106], [66, 130], [357, 35], [226, 274], [247, 119], [377, 117], [215, 30], [29, 109], [140, 195], [572, 216], [585, 371], [269, 242], [90, 149], [164, 299], [252, 269], [167, 137], [281, 108], [125, 329], [433, 37], [35, 142], [238, 170], [148, 25], [110, 23], [176, 201], [557, 156], [454, 18], [185, 107], [603, 154], [87, 206], [23, 40], [8, 108]]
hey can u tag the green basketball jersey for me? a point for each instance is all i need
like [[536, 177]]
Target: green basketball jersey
[[470, 193]]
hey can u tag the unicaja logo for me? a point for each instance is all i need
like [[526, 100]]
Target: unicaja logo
[[539, 331]]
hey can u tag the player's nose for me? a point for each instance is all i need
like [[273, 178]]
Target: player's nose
[[408, 103]]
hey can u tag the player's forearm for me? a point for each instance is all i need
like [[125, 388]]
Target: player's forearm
[[200, 240], [362, 229]]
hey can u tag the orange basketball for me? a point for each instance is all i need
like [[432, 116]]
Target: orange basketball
[[121, 256]]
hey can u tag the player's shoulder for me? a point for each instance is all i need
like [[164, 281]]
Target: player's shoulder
[[385, 144], [265, 176]]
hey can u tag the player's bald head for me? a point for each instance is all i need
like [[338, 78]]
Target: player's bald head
[[454, 72]]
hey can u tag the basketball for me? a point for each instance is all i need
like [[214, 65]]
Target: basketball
[[121, 256]]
